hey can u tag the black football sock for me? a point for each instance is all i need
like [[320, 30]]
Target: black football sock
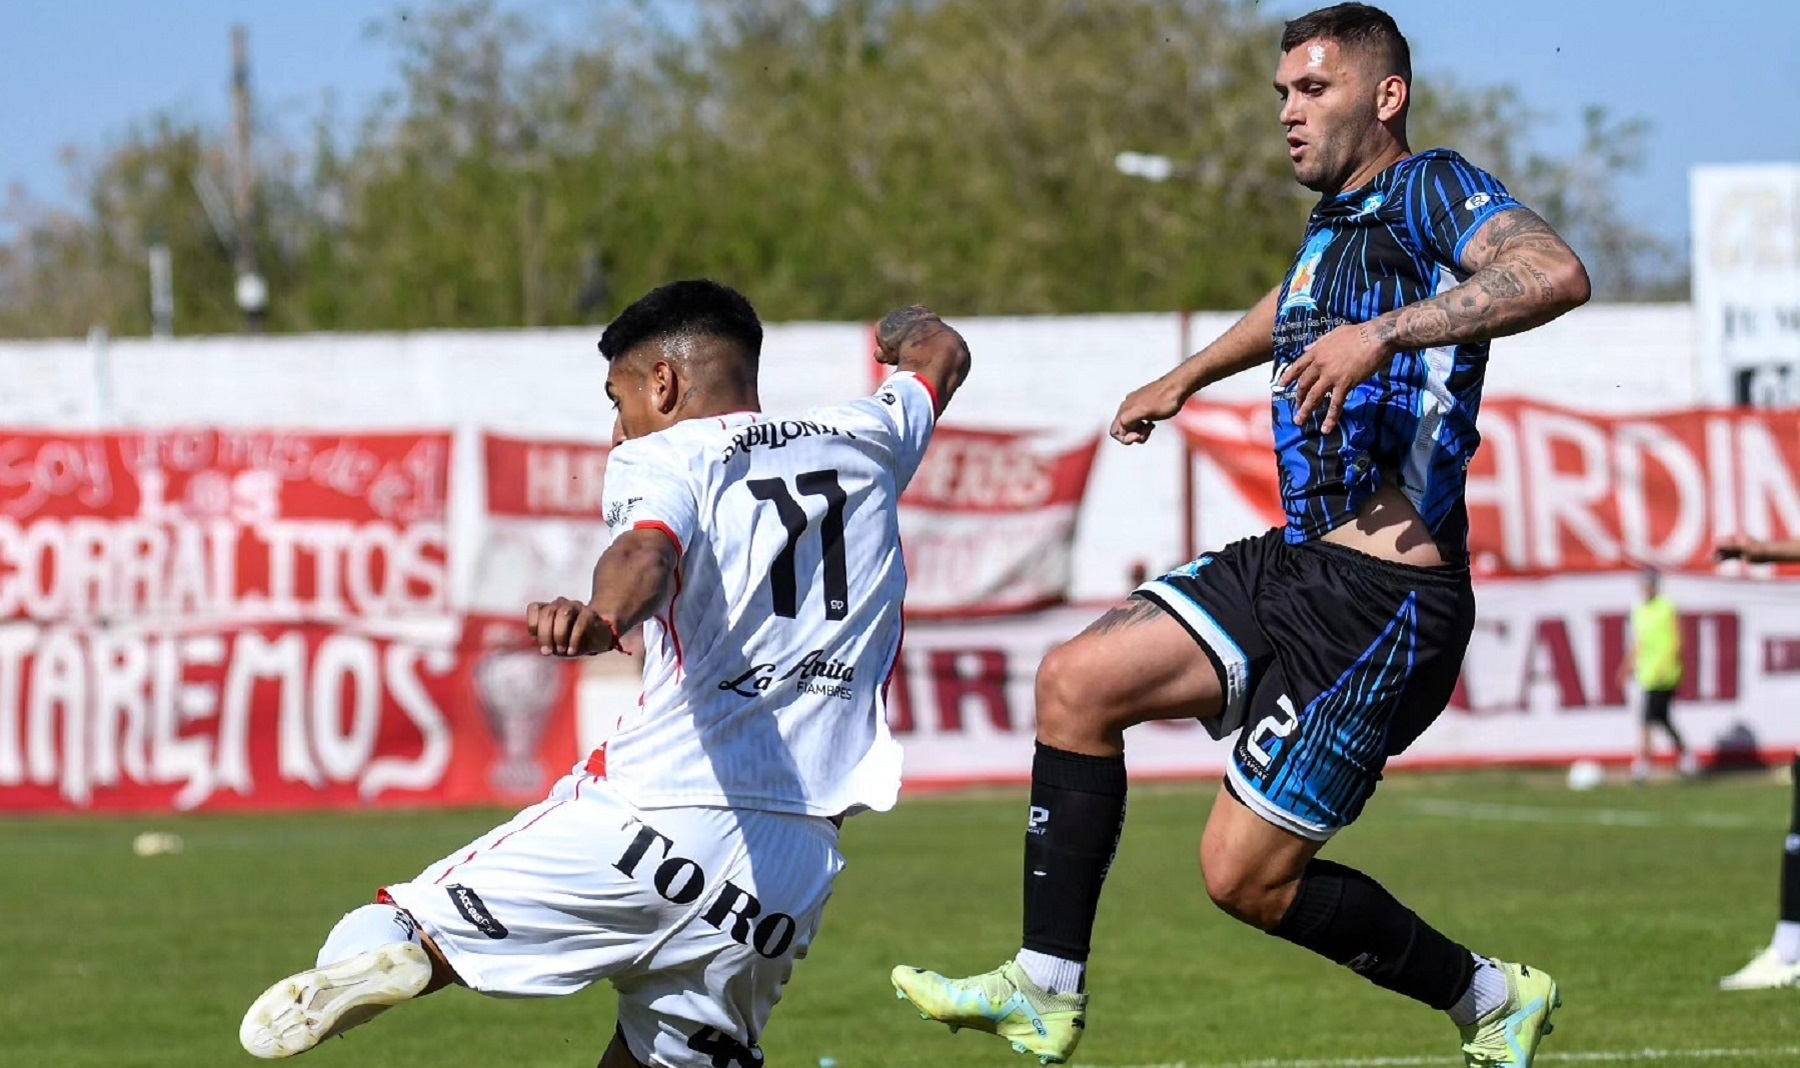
[[1348, 918], [1077, 814]]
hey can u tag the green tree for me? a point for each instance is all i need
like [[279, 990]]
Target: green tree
[[833, 157]]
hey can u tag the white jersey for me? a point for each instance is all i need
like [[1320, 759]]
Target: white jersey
[[765, 680]]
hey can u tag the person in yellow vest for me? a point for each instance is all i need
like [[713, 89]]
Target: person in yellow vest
[[1654, 658]]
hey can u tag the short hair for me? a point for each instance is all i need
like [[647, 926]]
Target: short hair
[[1359, 26], [696, 307]]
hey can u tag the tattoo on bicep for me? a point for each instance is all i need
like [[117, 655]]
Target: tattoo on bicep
[[1496, 298], [1134, 611], [1516, 228]]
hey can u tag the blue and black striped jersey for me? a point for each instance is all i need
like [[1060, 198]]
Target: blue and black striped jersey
[[1392, 242]]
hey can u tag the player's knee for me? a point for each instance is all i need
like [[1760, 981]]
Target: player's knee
[[1070, 703], [1056, 685], [1243, 890]]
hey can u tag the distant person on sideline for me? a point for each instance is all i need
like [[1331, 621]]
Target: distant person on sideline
[[1654, 660]]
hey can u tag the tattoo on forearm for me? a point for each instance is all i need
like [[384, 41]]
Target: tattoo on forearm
[[1502, 285], [1486, 305], [1379, 330], [1510, 292], [1546, 288]]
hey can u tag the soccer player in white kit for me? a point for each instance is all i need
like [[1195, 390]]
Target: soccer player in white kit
[[688, 860]]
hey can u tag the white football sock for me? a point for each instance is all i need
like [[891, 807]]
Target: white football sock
[[1787, 941], [366, 928], [1053, 974], [1486, 994]]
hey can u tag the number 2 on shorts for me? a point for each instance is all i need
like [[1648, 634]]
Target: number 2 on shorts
[[1279, 725]]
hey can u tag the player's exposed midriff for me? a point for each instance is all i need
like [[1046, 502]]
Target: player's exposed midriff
[[1388, 527]]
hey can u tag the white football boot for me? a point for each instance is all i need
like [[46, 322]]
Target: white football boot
[[1766, 971], [304, 1010]]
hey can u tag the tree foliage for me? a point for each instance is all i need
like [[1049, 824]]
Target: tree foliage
[[832, 157]]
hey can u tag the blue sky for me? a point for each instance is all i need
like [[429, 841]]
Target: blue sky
[[1720, 80]]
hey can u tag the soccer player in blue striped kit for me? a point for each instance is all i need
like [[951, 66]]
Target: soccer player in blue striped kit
[[1330, 645]]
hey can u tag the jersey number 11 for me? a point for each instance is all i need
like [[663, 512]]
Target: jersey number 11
[[784, 583]]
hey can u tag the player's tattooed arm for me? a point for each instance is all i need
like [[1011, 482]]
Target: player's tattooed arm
[[1522, 275], [634, 579], [915, 339]]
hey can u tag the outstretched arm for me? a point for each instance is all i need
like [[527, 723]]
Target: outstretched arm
[[1249, 342], [1752, 551], [915, 339], [634, 578], [1522, 275]]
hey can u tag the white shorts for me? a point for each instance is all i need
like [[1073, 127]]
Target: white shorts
[[696, 915]]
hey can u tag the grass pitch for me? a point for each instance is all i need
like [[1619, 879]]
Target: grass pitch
[[1637, 900]]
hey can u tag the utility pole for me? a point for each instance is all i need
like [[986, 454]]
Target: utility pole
[[162, 290], [252, 292]]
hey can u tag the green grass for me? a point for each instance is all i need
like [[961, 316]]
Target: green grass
[[1637, 900]]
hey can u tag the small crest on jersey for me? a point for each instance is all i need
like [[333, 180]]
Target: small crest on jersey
[[1371, 204], [889, 397], [619, 511], [1191, 569], [1306, 271], [1477, 202]]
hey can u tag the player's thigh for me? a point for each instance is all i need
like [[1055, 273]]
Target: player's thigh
[[1250, 863], [1186, 644], [1134, 664], [1367, 655], [707, 994], [564, 894]]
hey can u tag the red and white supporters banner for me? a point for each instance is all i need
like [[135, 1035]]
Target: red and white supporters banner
[[230, 619], [1553, 491], [543, 526], [1539, 685], [988, 522], [224, 526], [1541, 680], [288, 717], [960, 702]]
